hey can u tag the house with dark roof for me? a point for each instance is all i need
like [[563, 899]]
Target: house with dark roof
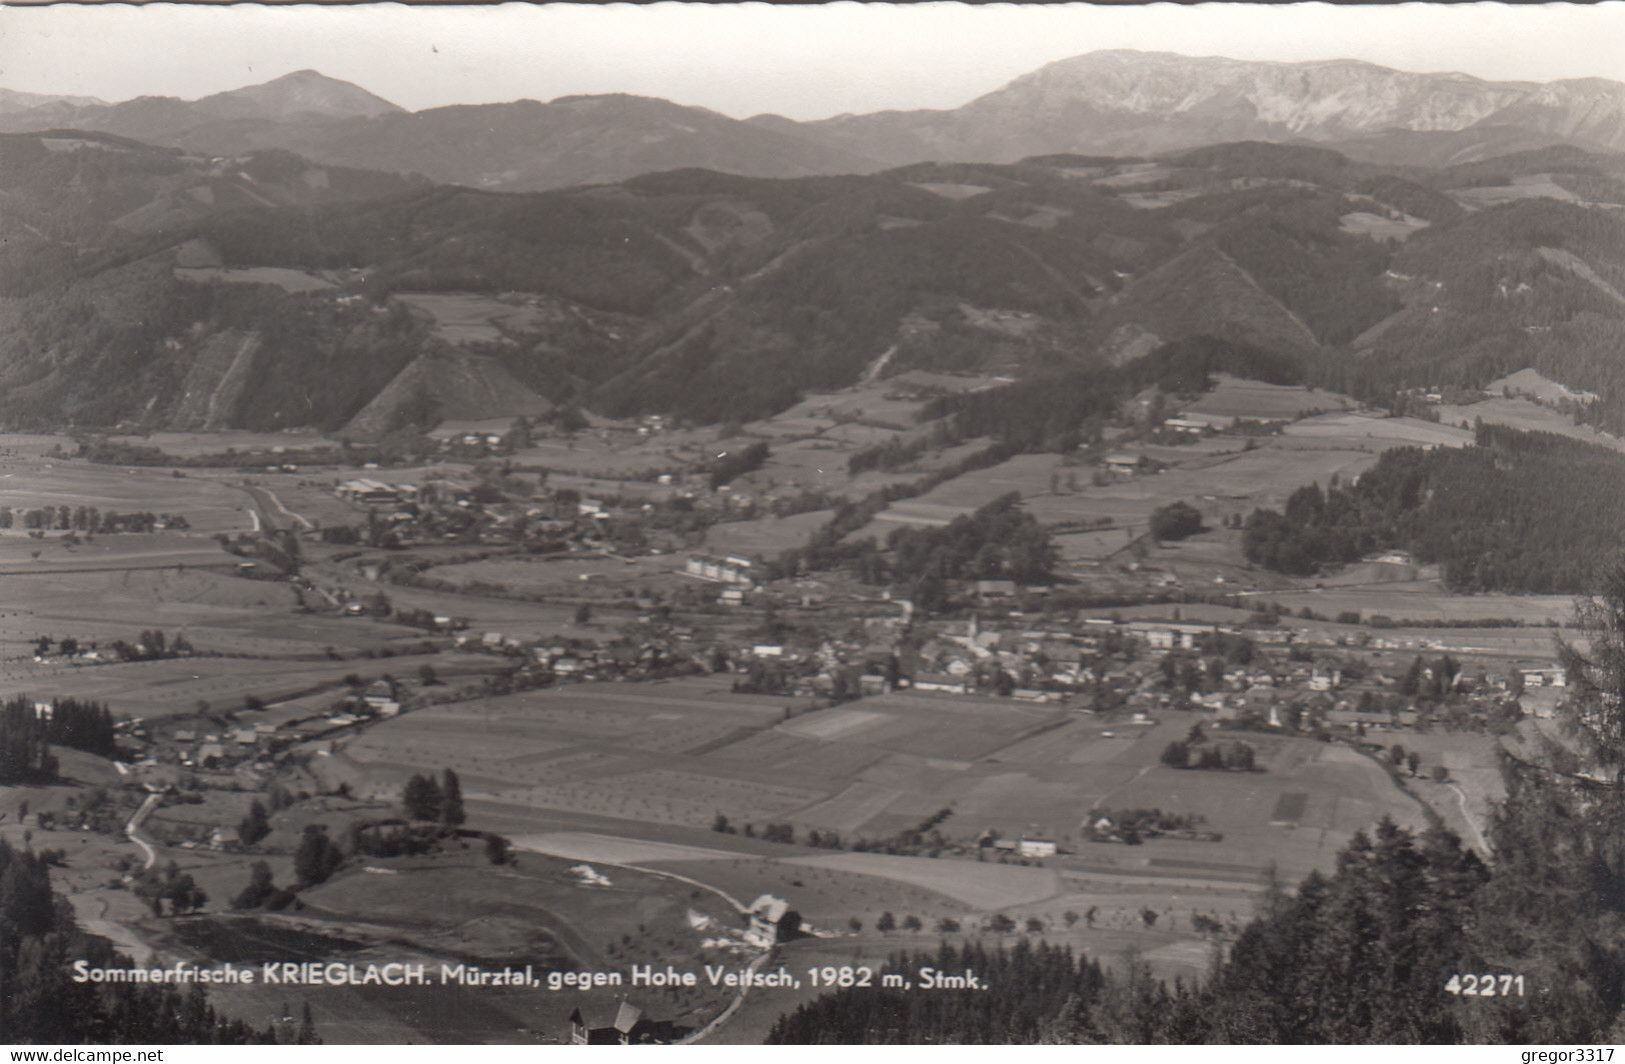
[[628, 1028]]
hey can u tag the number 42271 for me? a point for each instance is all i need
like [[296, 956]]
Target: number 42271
[[1485, 985]]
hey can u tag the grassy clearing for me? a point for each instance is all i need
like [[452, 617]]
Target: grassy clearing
[[466, 317], [208, 505], [768, 536], [171, 688], [286, 279], [218, 612], [1427, 601], [1233, 397], [1379, 226], [21, 556], [663, 756], [1380, 432], [560, 576], [1530, 417], [1525, 186], [193, 444]]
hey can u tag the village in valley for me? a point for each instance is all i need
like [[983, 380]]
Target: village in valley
[[587, 694]]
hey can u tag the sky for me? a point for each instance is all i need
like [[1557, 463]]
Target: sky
[[745, 59]]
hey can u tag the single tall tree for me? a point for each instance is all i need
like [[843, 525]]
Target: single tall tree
[[451, 799]]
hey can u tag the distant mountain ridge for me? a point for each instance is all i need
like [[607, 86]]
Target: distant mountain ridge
[[522, 145], [11, 101], [1115, 102], [304, 92], [1127, 102]]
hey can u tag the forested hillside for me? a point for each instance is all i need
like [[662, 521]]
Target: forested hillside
[[68, 197], [39, 943], [1055, 411], [1530, 512], [212, 291], [1534, 283]]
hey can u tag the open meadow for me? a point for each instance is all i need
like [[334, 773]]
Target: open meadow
[[768, 537], [679, 753], [1233, 397], [1218, 475], [470, 317], [22, 556], [1427, 601], [178, 686], [1523, 186], [208, 505], [1527, 416], [288, 280], [219, 441], [577, 576], [217, 610]]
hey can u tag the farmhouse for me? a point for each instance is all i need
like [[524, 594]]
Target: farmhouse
[[1036, 846], [629, 1027], [1544, 677], [767, 918], [1024, 694], [995, 589], [943, 682], [871, 684], [1123, 464], [368, 491], [728, 570], [1190, 426]]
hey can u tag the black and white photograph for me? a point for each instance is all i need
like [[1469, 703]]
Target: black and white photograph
[[535, 525]]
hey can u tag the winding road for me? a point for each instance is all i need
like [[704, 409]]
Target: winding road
[[1466, 814], [134, 826], [739, 998]]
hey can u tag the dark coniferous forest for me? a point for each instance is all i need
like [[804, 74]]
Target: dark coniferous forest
[[1521, 511], [39, 942]]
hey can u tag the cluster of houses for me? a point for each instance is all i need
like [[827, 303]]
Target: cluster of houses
[[234, 741], [1286, 668]]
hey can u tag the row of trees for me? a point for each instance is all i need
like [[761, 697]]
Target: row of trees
[[79, 723], [1222, 757], [25, 750], [86, 519]]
